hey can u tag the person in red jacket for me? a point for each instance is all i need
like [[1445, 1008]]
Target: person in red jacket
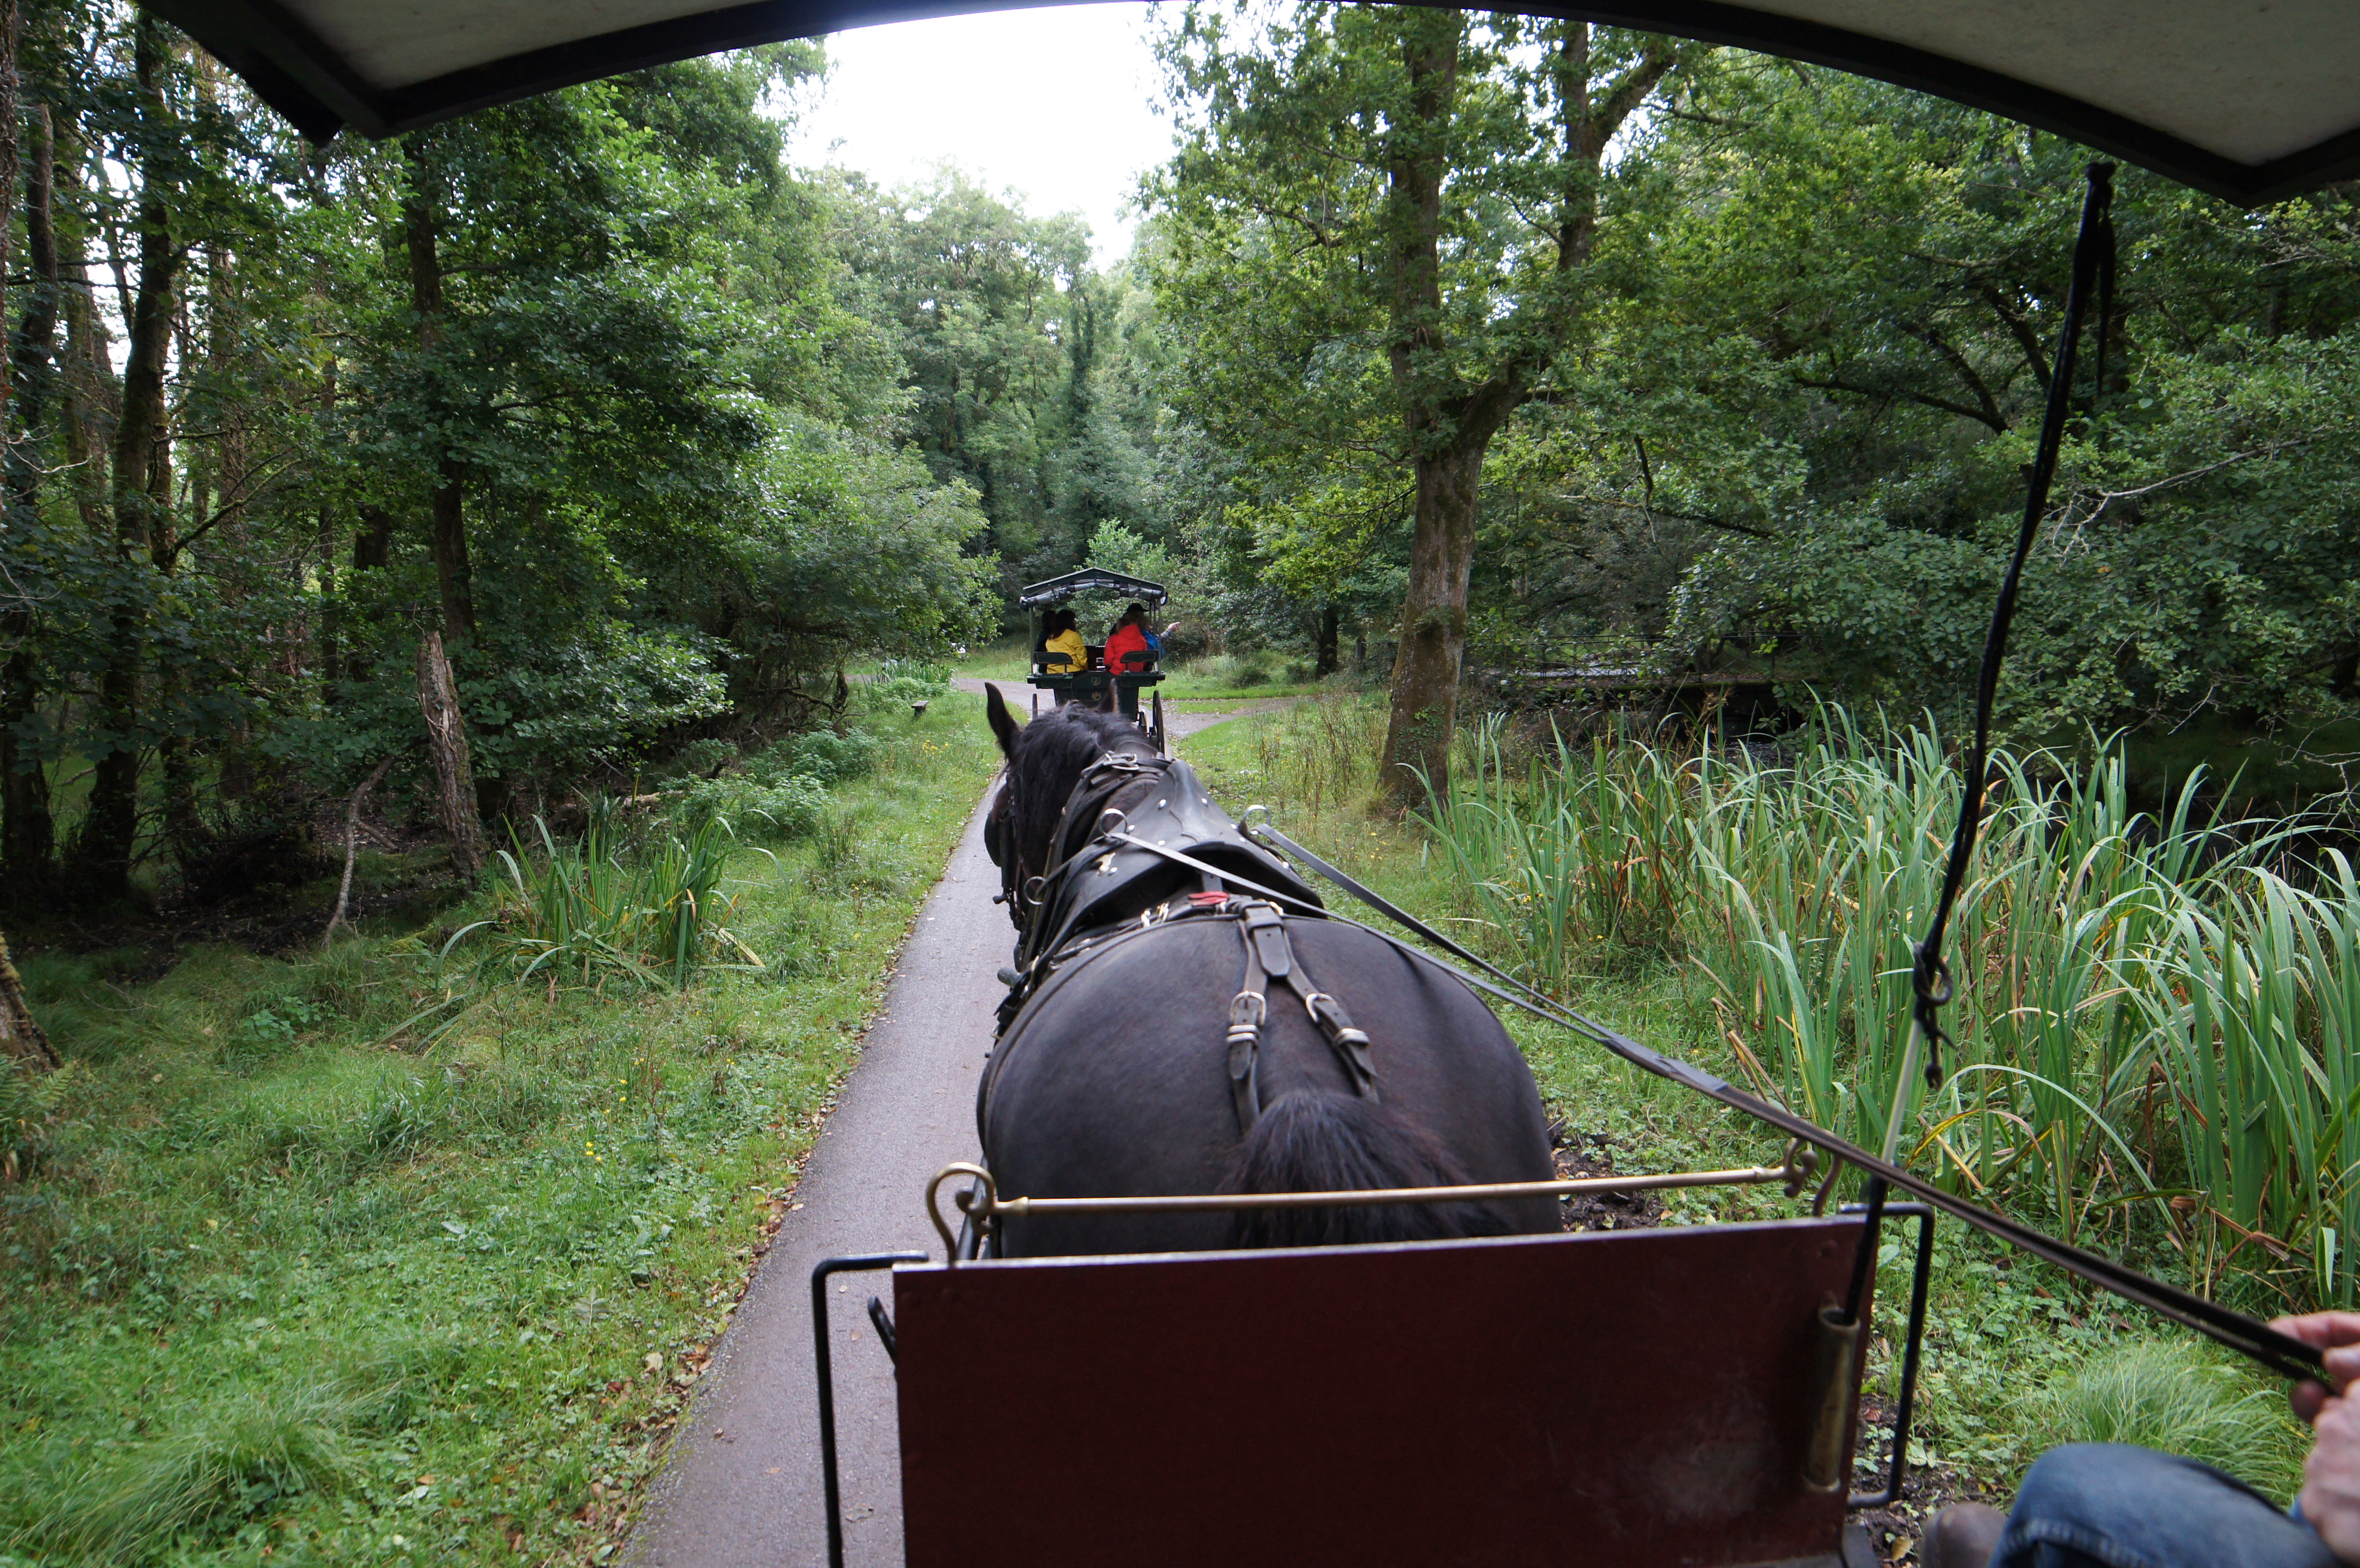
[[1131, 636]]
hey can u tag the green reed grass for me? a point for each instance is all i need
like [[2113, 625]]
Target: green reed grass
[[2153, 1025], [650, 910]]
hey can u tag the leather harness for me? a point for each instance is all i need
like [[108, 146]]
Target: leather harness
[[1270, 956], [1109, 838]]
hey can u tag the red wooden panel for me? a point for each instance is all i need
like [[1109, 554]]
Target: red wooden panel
[[1633, 1399]]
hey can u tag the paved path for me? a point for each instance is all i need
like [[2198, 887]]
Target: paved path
[[741, 1488]]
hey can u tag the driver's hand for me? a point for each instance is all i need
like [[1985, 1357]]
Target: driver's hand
[[2330, 1477], [2330, 1474], [2337, 1335]]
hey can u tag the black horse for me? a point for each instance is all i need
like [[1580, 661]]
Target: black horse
[[1164, 1033]]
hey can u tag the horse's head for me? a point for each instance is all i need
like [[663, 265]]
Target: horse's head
[[1045, 759]]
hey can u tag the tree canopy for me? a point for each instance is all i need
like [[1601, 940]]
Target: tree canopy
[[1492, 342]]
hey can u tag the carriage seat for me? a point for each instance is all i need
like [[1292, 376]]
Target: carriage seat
[[1626, 1400]]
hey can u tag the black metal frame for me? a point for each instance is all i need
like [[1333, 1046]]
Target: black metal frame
[[824, 1368], [1906, 1403]]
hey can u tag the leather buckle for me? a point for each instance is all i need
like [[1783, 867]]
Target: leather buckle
[[1266, 929]]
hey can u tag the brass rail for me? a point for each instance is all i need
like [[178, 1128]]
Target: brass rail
[[981, 1200]]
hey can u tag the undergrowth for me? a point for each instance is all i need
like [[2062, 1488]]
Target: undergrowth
[[297, 1261]]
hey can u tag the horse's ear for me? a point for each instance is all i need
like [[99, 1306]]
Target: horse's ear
[[1004, 726]]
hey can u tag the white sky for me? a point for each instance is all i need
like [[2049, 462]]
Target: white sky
[[1055, 104]]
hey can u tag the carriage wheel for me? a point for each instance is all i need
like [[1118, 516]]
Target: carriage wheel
[[1155, 725]]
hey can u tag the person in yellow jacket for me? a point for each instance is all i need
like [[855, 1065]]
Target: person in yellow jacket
[[1067, 653]]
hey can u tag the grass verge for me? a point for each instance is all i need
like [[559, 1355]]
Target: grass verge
[[283, 1279]]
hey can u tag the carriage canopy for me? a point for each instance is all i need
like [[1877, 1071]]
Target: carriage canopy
[[1057, 590], [2252, 102]]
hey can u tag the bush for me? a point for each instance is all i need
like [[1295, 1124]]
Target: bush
[[823, 755], [902, 681], [789, 808], [699, 759]]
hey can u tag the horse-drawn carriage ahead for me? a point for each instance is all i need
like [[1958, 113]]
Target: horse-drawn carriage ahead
[[1096, 683]]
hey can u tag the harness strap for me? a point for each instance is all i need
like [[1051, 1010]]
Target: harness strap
[[1271, 957], [1248, 1009]]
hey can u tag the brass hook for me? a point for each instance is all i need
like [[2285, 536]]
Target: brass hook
[[965, 1202], [1801, 1162]]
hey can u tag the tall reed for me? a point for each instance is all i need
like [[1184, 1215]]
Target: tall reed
[[649, 911], [2150, 1020]]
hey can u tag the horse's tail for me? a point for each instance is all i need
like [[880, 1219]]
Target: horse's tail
[[1319, 1141]]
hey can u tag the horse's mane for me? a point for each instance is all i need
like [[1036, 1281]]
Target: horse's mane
[[1050, 756]]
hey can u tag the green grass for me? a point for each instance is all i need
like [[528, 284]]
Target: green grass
[[2018, 1357], [285, 1274], [1008, 658]]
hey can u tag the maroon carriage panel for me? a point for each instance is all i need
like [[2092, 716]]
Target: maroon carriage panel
[[1639, 1399]]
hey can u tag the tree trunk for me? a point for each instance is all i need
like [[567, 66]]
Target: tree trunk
[[332, 654], [454, 772], [10, 26], [373, 546], [1433, 626], [111, 830], [21, 1039], [28, 831], [450, 571], [30, 369], [85, 379], [1450, 424], [1326, 657], [1434, 617]]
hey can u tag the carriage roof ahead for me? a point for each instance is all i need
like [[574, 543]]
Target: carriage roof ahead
[[1089, 578]]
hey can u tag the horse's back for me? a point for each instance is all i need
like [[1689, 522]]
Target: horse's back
[[1115, 1081]]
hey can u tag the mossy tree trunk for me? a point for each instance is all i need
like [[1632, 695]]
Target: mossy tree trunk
[[454, 771], [21, 1039]]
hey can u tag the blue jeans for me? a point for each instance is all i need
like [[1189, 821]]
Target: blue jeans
[[2107, 1505]]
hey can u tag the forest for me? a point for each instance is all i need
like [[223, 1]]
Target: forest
[[1707, 361], [471, 604]]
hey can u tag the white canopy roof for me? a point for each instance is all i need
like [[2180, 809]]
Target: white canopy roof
[[2252, 99]]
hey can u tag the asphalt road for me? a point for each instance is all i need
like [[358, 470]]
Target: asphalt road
[[741, 1486]]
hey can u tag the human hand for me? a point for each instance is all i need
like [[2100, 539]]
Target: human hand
[[2330, 1499], [2337, 1336]]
